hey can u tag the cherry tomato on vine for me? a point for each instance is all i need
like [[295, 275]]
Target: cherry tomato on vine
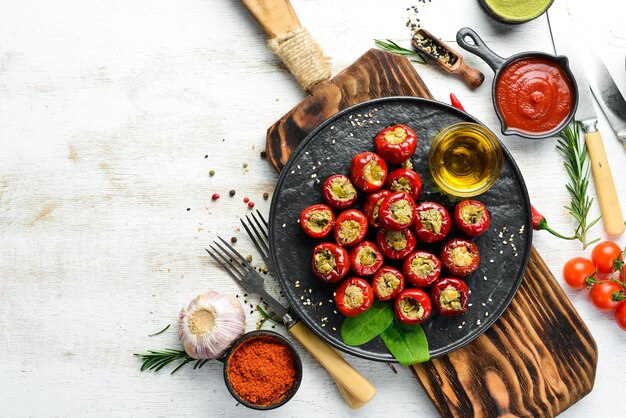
[[576, 271], [601, 294], [604, 254], [620, 315]]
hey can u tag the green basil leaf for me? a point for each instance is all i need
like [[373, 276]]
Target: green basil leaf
[[357, 330], [407, 343]]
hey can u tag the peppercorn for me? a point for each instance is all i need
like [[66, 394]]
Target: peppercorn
[[215, 196], [263, 154], [233, 240], [266, 195], [246, 200], [212, 173], [231, 193], [251, 205], [245, 165]]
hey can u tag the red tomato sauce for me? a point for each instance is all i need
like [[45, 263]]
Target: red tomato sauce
[[534, 95]]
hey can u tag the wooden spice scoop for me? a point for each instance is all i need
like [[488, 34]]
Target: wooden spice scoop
[[451, 61]]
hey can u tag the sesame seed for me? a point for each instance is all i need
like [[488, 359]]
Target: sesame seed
[[486, 313], [332, 127], [334, 329], [284, 225], [484, 304]]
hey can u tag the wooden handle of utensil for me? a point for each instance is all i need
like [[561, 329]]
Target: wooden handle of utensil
[[605, 187], [341, 371], [471, 75], [276, 17]]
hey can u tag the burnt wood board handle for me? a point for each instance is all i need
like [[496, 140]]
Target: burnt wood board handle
[[539, 358]]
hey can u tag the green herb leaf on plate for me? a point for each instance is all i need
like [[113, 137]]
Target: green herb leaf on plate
[[407, 343], [357, 330]]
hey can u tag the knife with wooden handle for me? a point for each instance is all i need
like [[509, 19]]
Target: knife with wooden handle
[[565, 42]]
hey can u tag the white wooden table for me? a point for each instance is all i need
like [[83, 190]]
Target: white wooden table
[[107, 111]]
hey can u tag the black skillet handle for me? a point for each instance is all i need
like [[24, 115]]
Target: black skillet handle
[[479, 48]]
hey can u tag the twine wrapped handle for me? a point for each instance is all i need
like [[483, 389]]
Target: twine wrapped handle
[[302, 56]]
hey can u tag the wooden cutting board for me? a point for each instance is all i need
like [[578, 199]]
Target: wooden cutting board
[[539, 358]]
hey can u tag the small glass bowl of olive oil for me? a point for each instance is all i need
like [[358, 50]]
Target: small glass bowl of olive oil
[[465, 159]]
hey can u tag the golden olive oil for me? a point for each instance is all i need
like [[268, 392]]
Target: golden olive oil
[[465, 159]]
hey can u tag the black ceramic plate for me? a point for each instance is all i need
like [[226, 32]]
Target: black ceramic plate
[[505, 248]]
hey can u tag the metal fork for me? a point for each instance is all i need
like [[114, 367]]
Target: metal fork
[[240, 270], [260, 238], [354, 388]]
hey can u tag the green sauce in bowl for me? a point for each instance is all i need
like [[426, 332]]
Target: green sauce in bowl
[[516, 11]]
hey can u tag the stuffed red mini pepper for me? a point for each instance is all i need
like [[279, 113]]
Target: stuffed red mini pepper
[[396, 211], [412, 306], [365, 259], [460, 257], [350, 228], [395, 245], [449, 295], [432, 222], [317, 221], [372, 205], [396, 143], [330, 262], [471, 217], [387, 283], [339, 192], [368, 171], [405, 180], [354, 296], [421, 268]]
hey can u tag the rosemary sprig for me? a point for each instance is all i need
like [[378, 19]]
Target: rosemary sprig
[[391, 46], [160, 332], [157, 359], [576, 164], [267, 316]]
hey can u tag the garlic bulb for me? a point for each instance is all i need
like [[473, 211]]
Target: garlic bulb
[[210, 324]]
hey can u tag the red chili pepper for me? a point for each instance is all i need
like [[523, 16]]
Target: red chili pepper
[[368, 171], [412, 306], [339, 192], [397, 211], [350, 228], [449, 295], [372, 204], [317, 221], [540, 223], [405, 180], [365, 259], [460, 257], [395, 245], [471, 217], [330, 262], [396, 143], [432, 222], [421, 268], [455, 102], [388, 282], [354, 296]]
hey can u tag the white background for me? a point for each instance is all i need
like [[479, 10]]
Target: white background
[[107, 110]]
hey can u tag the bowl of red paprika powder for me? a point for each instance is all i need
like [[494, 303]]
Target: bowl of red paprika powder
[[262, 370]]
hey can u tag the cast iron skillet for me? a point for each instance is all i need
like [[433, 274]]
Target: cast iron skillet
[[328, 150], [497, 64]]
